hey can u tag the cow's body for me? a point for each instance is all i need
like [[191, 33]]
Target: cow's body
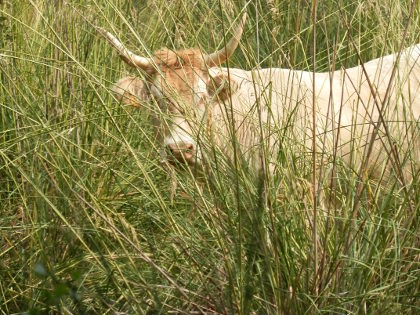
[[283, 98], [271, 105]]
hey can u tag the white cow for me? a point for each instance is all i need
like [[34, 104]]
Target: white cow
[[353, 106]]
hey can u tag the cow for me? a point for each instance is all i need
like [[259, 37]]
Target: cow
[[367, 115]]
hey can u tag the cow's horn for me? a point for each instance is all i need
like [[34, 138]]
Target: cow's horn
[[129, 57], [223, 54]]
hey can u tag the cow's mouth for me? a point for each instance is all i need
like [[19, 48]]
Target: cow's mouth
[[186, 158], [180, 158]]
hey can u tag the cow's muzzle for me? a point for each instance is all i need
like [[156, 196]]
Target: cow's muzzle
[[183, 152]]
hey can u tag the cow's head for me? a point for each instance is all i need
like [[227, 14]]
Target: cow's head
[[180, 82]]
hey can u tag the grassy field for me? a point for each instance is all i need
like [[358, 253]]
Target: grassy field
[[91, 222]]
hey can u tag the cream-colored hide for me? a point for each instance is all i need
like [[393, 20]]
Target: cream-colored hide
[[347, 113]]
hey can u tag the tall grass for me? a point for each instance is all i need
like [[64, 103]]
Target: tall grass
[[87, 221]]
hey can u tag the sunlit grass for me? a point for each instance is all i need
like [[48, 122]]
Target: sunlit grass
[[88, 223]]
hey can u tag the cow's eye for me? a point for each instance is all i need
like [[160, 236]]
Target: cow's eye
[[202, 101]]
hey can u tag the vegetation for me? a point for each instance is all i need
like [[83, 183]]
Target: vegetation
[[91, 222]]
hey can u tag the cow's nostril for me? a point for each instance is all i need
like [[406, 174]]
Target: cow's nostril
[[172, 148]]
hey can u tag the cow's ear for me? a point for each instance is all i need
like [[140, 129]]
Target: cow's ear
[[221, 87], [130, 91]]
